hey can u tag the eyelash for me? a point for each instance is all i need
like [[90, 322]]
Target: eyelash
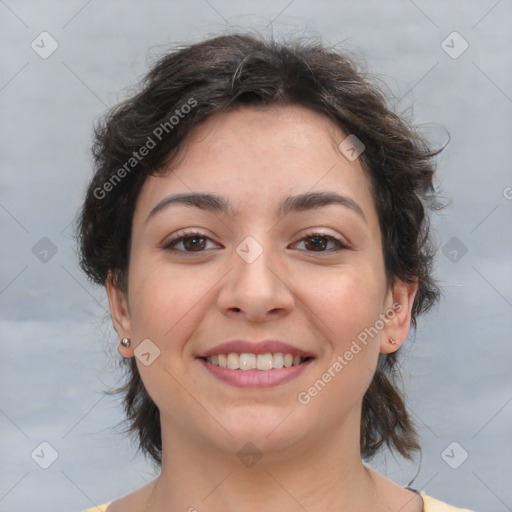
[[170, 245], [339, 244]]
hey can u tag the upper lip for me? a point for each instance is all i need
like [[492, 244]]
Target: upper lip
[[255, 347]]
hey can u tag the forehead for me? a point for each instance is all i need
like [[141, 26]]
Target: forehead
[[278, 133], [254, 156]]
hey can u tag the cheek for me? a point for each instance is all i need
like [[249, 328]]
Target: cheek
[[165, 301], [164, 304], [346, 305], [345, 302], [346, 308]]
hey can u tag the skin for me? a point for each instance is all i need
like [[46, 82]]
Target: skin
[[318, 300]]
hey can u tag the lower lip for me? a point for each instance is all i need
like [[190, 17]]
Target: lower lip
[[256, 378]]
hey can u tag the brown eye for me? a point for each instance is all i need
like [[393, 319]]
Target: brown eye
[[190, 242], [318, 242], [194, 243]]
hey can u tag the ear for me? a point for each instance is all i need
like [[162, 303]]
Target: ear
[[397, 319], [119, 311]]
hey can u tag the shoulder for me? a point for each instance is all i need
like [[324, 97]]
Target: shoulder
[[133, 502], [99, 508], [433, 505]]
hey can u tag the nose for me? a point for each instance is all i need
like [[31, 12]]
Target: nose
[[259, 289]]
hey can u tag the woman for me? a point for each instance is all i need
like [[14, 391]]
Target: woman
[[259, 219]]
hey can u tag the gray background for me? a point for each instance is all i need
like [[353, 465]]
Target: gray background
[[57, 346]]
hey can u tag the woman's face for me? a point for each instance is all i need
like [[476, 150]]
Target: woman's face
[[271, 266]]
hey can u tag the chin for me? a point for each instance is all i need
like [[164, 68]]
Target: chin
[[269, 428]]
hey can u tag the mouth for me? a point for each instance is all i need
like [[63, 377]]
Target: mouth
[[246, 361], [248, 370], [249, 364]]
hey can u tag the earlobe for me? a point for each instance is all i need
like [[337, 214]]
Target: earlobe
[[399, 304], [119, 313], [124, 348]]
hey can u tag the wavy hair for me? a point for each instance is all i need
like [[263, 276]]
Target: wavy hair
[[229, 71]]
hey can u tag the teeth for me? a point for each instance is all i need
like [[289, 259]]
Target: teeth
[[247, 361], [264, 362], [278, 360], [233, 361]]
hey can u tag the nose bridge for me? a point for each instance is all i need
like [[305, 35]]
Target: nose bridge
[[254, 262], [254, 285]]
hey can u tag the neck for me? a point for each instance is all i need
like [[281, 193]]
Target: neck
[[309, 476]]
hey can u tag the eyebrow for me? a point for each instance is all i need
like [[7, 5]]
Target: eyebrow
[[218, 204]]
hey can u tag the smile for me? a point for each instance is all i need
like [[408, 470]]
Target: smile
[[248, 361], [255, 370]]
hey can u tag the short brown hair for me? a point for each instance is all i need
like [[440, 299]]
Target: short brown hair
[[230, 71]]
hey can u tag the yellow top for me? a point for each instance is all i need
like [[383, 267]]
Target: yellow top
[[431, 505]]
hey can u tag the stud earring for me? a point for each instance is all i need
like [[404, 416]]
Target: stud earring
[[392, 341], [125, 342]]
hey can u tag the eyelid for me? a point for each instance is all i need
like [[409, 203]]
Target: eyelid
[[340, 242], [185, 233]]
